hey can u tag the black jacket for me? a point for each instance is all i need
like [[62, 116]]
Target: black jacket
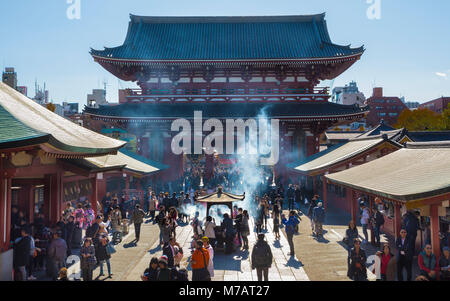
[[406, 247], [21, 252], [360, 258], [170, 258]]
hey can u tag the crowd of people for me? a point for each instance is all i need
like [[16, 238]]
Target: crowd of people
[[390, 265]]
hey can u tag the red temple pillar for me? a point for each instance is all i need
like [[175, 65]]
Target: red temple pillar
[[314, 180], [101, 186], [30, 208], [372, 233], [94, 194], [434, 224], [325, 190], [5, 213], [397, 219], [350, 200]]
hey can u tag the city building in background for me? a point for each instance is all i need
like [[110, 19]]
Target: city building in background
[[97, 98], [348, 95], [436, 105], [386, 108], [9, 77]]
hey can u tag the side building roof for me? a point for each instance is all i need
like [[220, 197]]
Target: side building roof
[[24, 122], [418, 171], [337, 154]]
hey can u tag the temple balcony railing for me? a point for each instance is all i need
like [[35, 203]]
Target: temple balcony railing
[[228, 94]]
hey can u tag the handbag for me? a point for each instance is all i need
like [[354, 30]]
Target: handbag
[[110, 249]]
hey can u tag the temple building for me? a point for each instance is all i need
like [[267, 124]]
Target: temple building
[[226, 67], [47, 160]]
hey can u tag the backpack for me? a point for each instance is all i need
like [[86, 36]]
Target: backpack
[[260, 253], [179, 275]]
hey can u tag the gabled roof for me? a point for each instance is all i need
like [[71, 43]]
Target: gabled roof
[[227, 38], [341, 152], [377, 130], [419, 171], [24, 122], [225, 110], [128, 161], [341, 136]]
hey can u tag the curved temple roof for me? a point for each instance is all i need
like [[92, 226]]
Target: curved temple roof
[[227, 38], [226, 110], [24, 122]]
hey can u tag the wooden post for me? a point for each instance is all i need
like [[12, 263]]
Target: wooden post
[[94, 194], [30, 206], [434, 219], [325, 195], [350, 199], [5, 213], [314, 185], [397, 220], [372, 233]]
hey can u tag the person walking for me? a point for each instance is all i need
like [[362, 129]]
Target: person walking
[[319, 218], [57, 254], [262, 258], [116, 219], [411, 225], [365, 217], [378, 221], [70, 230], [227, 225], [172, 250], [152, 207], [88, 260], [312, 205], [102, 255], [428, 264], [404, 256], [290, 193], [358, 258], [350, 234], [199, 263], [207, 246], [238, 223], [21, 254], [137, 217], [290, 230], [245, 229], [210, 225]]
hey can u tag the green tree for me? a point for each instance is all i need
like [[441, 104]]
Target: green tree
[[446, 119], [420, 120]]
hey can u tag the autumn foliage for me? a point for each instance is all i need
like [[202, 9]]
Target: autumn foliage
[[424, 120]]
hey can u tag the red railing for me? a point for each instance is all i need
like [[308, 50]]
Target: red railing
[[209, 93]]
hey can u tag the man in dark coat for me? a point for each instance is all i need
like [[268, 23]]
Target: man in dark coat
[[262, 258], [169, 251], [290, 196], [411, 224], [404, 255], [137, 217], [70, 228], [227, 225], [21, 254]]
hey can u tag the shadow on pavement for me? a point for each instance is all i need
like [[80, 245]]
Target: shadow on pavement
[[154, 250], [294, 263], [131, 244]]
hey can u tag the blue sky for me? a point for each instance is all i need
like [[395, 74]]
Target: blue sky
[[407, 50]]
